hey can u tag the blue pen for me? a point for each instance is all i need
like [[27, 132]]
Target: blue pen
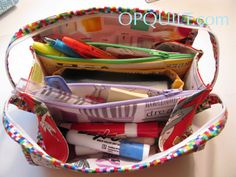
[[62, 47]]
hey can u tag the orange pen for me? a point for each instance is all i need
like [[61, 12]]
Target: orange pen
[[86, 50]]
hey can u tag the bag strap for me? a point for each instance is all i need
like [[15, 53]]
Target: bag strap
[[55, 144], [37, 27], [198, 139]]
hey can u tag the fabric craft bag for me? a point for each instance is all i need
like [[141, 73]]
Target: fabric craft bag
[[102, 25]]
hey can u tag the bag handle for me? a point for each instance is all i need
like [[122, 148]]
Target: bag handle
[[194, 142], [54, 142], [50, 22], [198, 139]]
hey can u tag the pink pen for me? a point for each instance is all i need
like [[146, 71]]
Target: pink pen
[[146, 129]]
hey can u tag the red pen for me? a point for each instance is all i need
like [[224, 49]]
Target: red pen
[[146, 129], [86, 50]]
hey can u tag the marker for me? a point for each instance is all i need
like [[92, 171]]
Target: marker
[[81, 150], [46, 49], [124, 148], [146, 129], [62, 47], [57, 82], [86, 50]]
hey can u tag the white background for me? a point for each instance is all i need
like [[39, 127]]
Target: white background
[[216, 160]]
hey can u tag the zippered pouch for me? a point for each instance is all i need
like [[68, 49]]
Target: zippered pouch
[[127, 101], [154, 59], [152, 105]]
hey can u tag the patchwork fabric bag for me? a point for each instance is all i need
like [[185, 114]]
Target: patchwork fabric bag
[[157, 52]]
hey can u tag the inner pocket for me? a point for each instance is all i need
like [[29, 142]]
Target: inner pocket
[[93, 76]]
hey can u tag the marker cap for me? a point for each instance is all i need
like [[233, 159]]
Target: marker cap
[[62, 47], [149, 129], [134, 150], [46, 49]]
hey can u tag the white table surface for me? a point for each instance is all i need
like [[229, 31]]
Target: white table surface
[[216, 160]]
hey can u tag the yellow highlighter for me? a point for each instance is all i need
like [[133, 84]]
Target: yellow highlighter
[[46, 49]]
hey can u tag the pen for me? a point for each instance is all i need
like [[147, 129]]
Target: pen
[[86, 50], [146, 129], [46, 49], [62, 47]]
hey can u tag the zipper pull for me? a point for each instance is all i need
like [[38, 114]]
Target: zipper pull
[[163, 55]]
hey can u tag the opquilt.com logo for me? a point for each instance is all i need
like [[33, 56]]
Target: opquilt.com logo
[[151, 19]]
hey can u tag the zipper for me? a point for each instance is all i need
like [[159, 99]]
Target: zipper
[[156, 55]]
